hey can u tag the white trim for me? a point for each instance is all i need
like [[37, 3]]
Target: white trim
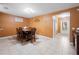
[[7, 37], [54, 18], [43, 36], [15, 35]]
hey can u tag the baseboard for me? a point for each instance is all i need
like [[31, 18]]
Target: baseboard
[[43, 36], [7, 37], [15, 35]]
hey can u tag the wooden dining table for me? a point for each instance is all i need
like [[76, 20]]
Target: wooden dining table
[[27, 34], [26, 31]]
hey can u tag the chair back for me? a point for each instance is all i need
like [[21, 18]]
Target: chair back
[[20, 29], [17, 31], [33, 30]]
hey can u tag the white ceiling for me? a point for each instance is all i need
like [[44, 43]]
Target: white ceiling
[[39, 8]]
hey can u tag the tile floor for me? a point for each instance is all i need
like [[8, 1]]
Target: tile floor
[[58, 45]]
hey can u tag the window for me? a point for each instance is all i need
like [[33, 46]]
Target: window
[[18, 19]]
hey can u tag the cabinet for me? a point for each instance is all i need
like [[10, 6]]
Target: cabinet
[[77, 41], [77, 34]]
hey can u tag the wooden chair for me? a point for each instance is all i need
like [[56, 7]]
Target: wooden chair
[[29, 36], [17, 32], [73, 36], [20, 35], [33, 31]]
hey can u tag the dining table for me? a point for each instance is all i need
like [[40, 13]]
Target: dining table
[[27, 34], [26, 31]]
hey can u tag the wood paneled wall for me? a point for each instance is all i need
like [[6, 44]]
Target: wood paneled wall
[[43, 23], [44, 26], [8, 24], [74, 18]]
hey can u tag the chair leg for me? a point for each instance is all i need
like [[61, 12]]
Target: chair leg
[[18, 37], [33, 39]]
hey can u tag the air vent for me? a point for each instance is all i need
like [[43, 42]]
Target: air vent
[[5, 7]]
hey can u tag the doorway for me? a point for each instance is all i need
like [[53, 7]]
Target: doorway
[[61, 24]]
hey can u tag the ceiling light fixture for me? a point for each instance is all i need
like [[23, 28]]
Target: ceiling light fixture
[[29, 10]]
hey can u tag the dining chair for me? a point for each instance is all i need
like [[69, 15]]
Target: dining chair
[[17, 32], [33, 31], [20, 35]]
